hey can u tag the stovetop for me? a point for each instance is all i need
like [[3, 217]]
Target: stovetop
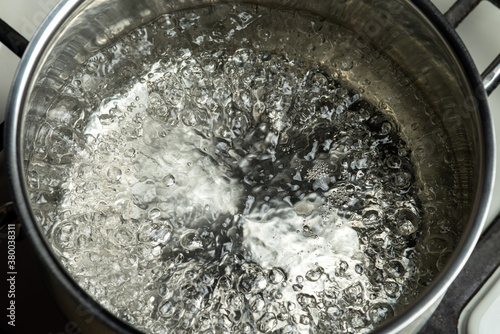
[[479, 32]]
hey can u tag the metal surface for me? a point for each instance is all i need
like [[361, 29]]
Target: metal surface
[[481, 265], [491, 76], [76, 29]]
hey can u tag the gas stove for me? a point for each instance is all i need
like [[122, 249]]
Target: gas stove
[[479, 31]]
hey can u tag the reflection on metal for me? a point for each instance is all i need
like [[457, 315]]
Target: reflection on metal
[[491, 76], [483, 262]]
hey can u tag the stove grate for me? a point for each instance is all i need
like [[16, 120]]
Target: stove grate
[[12, 39]]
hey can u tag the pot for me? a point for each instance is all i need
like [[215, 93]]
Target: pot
[[412, 34]]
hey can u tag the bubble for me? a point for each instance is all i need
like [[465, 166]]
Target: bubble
[[346, 65], [283, 316], [167, 310], [235, 301], [354, 294], [305, 320], [290, 306], [191, 241], [258, 108], [252, 282], [372, 216], [407, 227], [407, 221], [61, 144], [403, 151], [168, 180], [144, 252], [114, 174], [394, 162], [314, 274], [358, 319], [209, 65], [385, 128], [391, 288], [276, 276], [334, 312], [155, 233], [437, 243], [330, 290], [124, 236], [257, 303], [130, 153], [342, 269], [306, 301], [319, 79], [33, 180], [267, 322], [380, 312], [359, 269], [130, 262], [64, 236], [263, 33], [154, 213], [402, 180], [394, 269]]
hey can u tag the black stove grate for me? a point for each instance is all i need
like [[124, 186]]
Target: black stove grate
[[12, 39], [462, 8]]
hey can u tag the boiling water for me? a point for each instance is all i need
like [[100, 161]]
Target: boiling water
[[225, 182]]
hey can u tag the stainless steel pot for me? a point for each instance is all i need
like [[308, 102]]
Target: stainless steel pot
[[412, 33]]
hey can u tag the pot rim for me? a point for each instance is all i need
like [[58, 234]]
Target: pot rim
[[436, 290], [430, 296]]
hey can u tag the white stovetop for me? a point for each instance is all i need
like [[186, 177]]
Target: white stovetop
[[479, 33]]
